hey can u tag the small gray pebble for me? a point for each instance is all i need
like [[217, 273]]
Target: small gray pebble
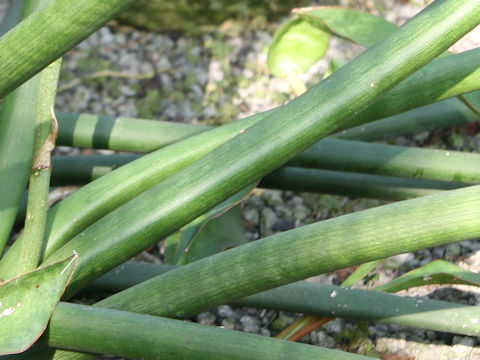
[[301, 212], [269, 218], [273, 198], [225, 311], [250, 324], [228, 323], [453, 250], [265, 332], [206, 318]]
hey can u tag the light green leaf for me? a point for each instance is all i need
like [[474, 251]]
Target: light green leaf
[[356, 26], [28, 301], [437, 272], [296, 46]]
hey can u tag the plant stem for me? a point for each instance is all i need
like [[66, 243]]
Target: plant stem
[[296, 84], [31, 247]]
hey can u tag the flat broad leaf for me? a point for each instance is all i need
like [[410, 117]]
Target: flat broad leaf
[[296, 46], [353, 25], [219, 234], [436, 272], [187, 239], [28, 301]]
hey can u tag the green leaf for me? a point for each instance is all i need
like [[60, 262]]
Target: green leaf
[[136, 336], [28, 301], [437, 272], [367, 29], [217, 230], [296, 46], [219, 234], [361, 272], [356, 26], [259, 149], [42, 42], [306, 297]]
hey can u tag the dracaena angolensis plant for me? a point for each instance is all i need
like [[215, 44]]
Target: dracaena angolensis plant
[[269, 143], [93, 131], [258, 150]]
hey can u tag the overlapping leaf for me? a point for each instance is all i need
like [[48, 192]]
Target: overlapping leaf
[[28, 301]]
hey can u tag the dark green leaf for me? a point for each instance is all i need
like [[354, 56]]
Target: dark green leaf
[[215, 231]]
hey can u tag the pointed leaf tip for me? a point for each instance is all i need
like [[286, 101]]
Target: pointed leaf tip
[[28, 301]]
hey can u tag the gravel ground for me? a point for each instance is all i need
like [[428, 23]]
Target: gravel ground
[[217, 77]]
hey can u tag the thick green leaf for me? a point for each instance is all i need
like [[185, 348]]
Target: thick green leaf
[[120, 133], [366, 29], [296, 46], [310, 250], [135, 336], [73, 214], [474, 101], [21, 114], [28, 301], [352, 184], [391, 160], [306, 297], [217, 230], [442, 78], [16, 145], [361, 272], [259, 149], [48, 34], [360, 304], [436, 272], [443, 114]]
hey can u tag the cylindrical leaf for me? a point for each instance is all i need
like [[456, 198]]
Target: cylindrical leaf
[[35, 43]]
